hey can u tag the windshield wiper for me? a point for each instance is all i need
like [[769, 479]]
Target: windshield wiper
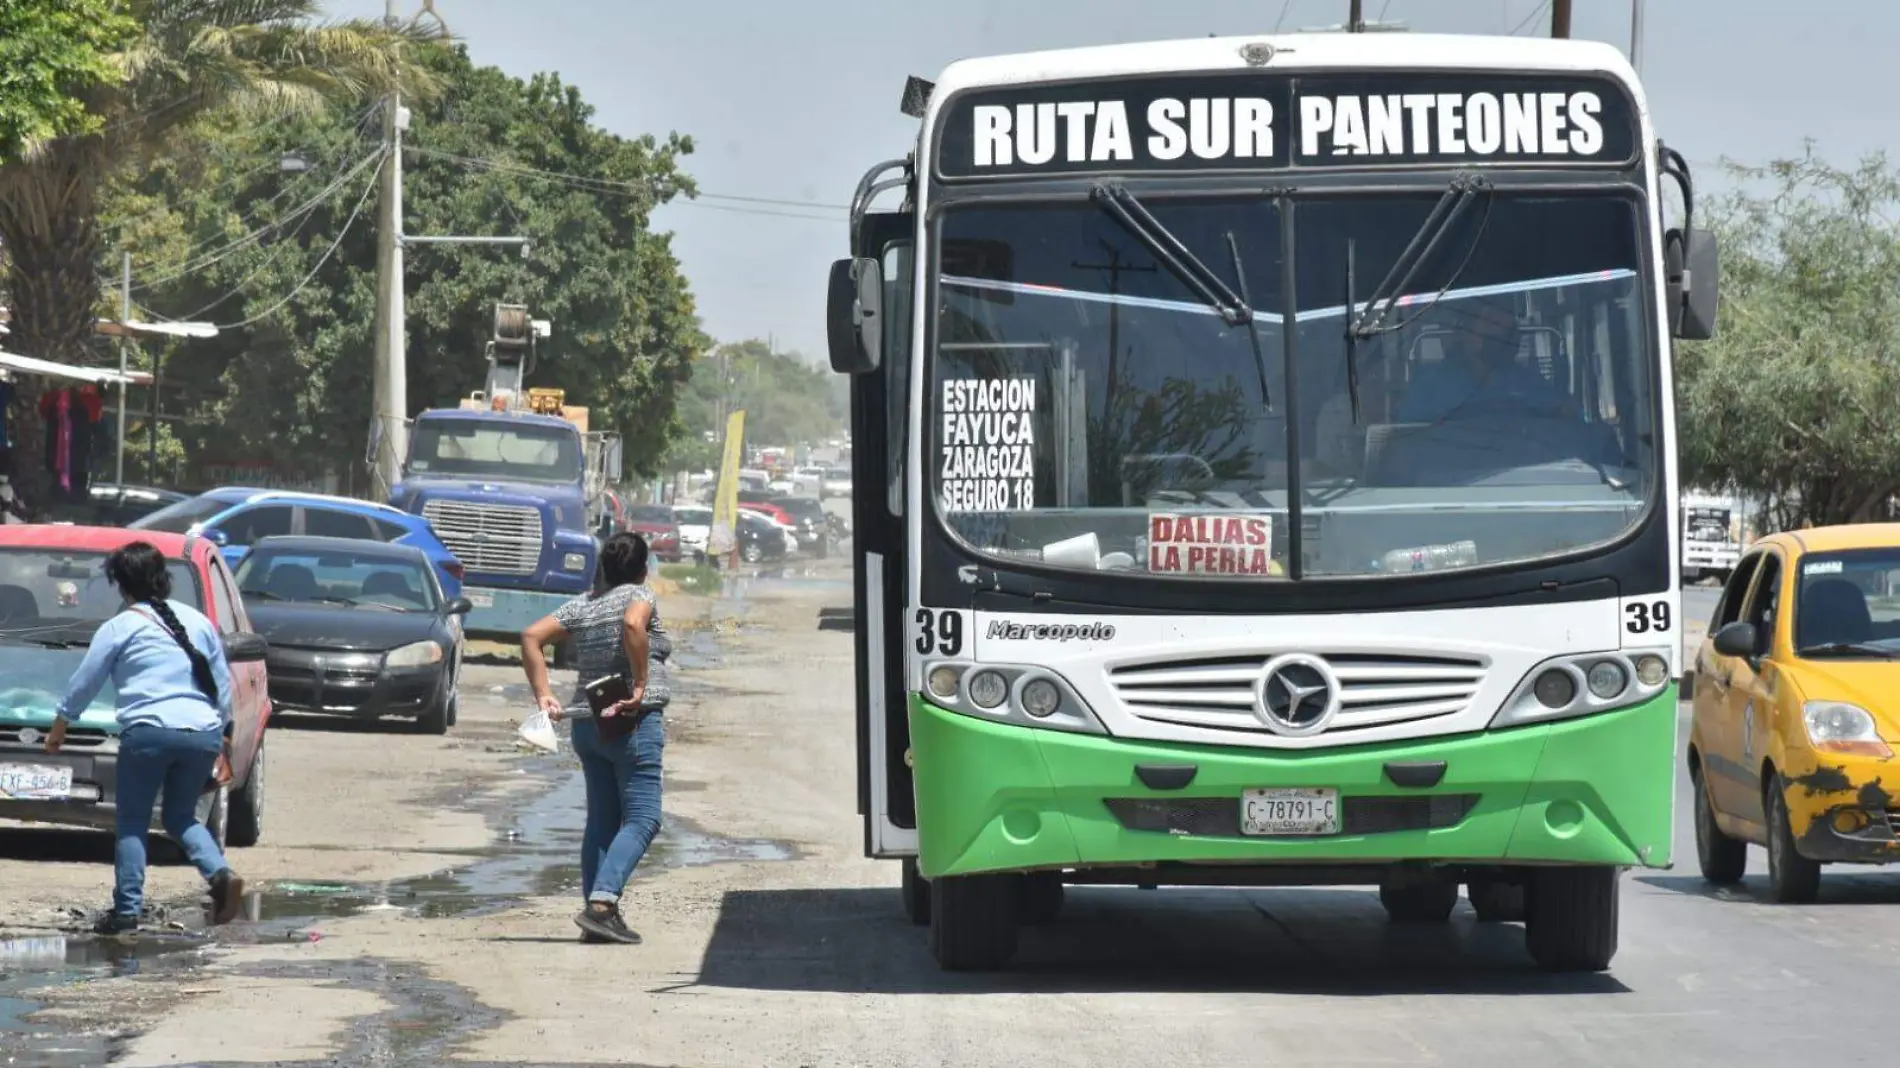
[[1848, 648], [1119, 202], [1450, 207]]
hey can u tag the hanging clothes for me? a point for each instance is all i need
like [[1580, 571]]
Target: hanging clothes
[[71, 416]]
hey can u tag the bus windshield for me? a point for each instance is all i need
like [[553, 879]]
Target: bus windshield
[[1093, 410], [498, 450]]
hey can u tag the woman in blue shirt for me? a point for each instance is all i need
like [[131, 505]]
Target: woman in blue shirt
[[167, 666]]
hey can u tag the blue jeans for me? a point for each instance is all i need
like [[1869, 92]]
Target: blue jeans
[[623, 802], [157, 762]]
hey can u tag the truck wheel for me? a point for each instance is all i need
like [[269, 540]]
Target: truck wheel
[[1571, 918], [1792, 878], [1042, 897], [1496, 901], [916, 894], [1418, 900], [1723, 859], [247, 808], [973, 921]]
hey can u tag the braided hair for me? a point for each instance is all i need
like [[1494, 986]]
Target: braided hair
[[139, 571]]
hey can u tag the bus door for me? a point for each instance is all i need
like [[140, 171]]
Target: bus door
[[880, 428]]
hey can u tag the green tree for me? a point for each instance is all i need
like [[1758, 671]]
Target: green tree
[[221, 234], [787, 400], [52, 53], [1792, 400], [184, 60]]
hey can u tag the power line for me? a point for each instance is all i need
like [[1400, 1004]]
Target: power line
[[1530, 18], [1284, 8], [368, 188], [616, 186]]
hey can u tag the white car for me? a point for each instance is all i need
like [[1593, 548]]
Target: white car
[[837, 482], [695, 525]]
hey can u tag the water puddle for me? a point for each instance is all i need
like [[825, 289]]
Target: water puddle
[[29, 963], [539, 856]]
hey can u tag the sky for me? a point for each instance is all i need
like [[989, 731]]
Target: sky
[[794, 101]]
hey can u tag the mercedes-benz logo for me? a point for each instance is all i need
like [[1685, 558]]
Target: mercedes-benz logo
[[29, 736], [1296, 695]]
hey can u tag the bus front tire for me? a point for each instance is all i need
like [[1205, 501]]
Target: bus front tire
[[1427, 899], [1571, 918], [1042, 897], [973, 921], [916, 894]]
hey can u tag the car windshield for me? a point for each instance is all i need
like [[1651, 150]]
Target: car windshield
[[349, 579], [1847, 604], [34, 679], [649, 514], [44, 592], [181, 516], [500, 450], [698, 517], [1091, 409]]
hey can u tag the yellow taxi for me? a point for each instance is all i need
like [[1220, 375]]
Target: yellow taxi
[[1796, 693]]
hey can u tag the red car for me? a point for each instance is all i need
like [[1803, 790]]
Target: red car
[[656, 524], [771, 511], [53, 595]]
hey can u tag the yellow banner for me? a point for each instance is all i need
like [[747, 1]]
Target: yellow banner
[[726, 494]]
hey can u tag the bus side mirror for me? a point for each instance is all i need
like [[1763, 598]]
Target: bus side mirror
[[854, 322], [1692, 270]]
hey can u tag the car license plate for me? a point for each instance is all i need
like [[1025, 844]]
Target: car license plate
[[1297, 811], [478, 599], [35, 782]]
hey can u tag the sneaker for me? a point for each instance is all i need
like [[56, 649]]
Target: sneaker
[[605, 923], [227, 897], [113, 923]]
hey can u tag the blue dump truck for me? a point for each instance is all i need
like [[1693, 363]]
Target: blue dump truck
[[514, 484]]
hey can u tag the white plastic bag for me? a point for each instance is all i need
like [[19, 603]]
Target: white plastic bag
[[537, 732]]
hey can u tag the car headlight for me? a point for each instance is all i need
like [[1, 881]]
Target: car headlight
[[414, 655], [1839, 727], [575, 561]]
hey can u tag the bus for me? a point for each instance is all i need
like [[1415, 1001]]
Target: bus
[[1265, 475]]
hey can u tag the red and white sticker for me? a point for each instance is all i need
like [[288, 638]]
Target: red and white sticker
[[1211, 543]]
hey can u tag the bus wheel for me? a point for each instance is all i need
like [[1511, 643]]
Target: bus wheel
[[973, 921], [1042, 897], [1496, 901], [1571, 918], [1418, 899], [916, 894]]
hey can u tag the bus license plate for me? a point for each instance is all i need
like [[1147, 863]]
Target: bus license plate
[[1304, 811], [35, 782]]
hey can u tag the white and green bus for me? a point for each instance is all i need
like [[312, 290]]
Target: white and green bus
[[1265, 475]]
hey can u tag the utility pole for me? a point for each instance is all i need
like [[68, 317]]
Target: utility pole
[[390, 379], [125, 316], [1115, 267], [1636, 35], [1560, 18], [1356, 17]]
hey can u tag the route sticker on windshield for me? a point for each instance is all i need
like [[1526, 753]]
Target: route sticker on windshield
[[988, 461], [1211, 543], [1822, 567]]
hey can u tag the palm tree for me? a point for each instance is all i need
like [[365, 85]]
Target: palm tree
[[187, 59]]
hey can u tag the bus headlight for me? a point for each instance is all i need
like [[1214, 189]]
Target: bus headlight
[[943, 681], [1041, 698], [1582, 683], [988, 689]]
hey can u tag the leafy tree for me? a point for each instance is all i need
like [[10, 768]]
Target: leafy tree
[[183, 60], [786, 399], [52, 52], [1792, 400], [288, 380]]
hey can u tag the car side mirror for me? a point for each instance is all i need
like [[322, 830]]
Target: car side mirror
[[1737, 639], [461, 606], [245, 647], [1692, 272], [854, 316]]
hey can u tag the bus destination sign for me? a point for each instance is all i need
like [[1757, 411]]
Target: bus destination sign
[[1252, 121]]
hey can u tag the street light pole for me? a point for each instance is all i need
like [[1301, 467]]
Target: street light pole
[[390, 378], [1636, 35]]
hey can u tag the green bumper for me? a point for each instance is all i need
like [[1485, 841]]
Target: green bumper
[[1594, 790]]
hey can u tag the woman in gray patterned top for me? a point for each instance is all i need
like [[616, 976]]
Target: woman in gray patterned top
[[616, 631]]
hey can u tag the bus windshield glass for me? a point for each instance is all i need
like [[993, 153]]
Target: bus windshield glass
[[1092, 409], [499, 450]]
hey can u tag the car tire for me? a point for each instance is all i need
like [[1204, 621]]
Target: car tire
[[916, 894], [752, 553], [1723, 859], [455, 707], [435, 718], [1570, 919], [1792, 878], [1043, 896], [1496, 901], [973, 921], [1425, 900], [245, 824]]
